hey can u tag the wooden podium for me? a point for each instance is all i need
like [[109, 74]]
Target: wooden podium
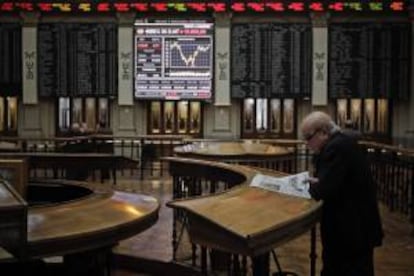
[[244, 220]]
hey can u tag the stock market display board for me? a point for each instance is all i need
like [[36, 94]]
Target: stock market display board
[[271, 60], [77, 59], [173, 59], [369, 60], [10, 59]]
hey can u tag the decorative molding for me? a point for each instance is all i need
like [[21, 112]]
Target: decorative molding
[[30, 19], [222, 60], [29, 59], [319, 19], [125, 65], [320, 66], [126, 19]]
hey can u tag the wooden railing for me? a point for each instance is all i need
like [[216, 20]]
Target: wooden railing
[[393, 171], [146, 150]]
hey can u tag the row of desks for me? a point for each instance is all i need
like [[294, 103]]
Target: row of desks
[[243, 220], [83, 229]]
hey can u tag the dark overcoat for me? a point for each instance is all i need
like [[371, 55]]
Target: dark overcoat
[[350, 220]]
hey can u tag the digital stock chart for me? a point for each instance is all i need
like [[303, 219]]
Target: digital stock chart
[[173, 60]]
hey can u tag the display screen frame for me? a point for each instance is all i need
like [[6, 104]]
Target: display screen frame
[[173, 59]]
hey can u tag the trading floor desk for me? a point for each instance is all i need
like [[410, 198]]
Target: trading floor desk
[[241, 220], [247, 152], [74, 161], [84, 226]]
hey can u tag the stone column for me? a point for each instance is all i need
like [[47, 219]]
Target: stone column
[[124, 113], [29, 117], [222, 59], [29, 57], [320, 59], [125, 58], [218, 119]]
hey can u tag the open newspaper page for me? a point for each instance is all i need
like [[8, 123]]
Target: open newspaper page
[[296, 185]]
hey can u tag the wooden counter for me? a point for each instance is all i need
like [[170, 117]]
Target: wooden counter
[[247, 220], [242, 220], [222, 150], [84, 230], [243, 153], [98, 220], [74, 161], [57, 160]]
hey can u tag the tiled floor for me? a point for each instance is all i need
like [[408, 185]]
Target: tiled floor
[[394, 258]]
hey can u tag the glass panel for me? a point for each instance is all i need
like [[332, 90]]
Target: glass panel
[[369, 116], [382, 115], [195, 115], [275, 115], [77, 111], [2, 114], [261, 115], [90, 104], [248, 115], [12, 111], [64, 113], [341, 112], [182, 116], [356, 113], [169, 117], [155, 117], [103, 113], [288, 115]]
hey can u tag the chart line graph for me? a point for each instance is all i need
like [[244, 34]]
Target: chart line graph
[[190, 53], [173, 60]]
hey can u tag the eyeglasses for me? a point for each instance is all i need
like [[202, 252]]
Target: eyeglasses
[[309, 137]]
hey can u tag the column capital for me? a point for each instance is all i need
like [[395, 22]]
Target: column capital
[[223, 19], [319, 19], [126, 19], [222, 15], [30, 18]]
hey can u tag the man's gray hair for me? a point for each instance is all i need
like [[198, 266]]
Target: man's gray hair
[[321, 121]]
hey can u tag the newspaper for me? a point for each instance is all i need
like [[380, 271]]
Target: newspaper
[[296, 185]]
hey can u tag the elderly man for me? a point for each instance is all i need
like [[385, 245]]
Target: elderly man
[[350, 224]]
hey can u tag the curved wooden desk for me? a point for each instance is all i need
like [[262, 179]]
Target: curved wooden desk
[[243, 153], [242, 220], [98, 220], [73, 161], [93, 223], [230, 150]]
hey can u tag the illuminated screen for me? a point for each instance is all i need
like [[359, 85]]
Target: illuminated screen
[[173, 60]]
